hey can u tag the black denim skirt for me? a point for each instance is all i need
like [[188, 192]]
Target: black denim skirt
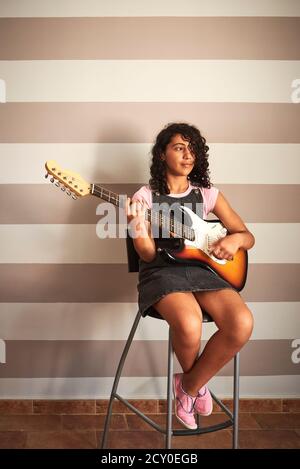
[[157, 282]]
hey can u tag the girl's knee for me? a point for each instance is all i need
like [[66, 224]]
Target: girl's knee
[[188, 327], [241, 328]]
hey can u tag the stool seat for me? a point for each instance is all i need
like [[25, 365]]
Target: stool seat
[[206, 317], [154, 314]]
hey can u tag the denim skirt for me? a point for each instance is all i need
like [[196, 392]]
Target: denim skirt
[[157, 282]]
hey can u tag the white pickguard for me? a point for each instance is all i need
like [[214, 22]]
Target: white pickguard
[[206, 233]]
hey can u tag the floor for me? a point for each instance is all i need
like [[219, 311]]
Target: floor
[[268, 423]]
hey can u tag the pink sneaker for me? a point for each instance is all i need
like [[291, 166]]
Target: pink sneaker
[[203, 402], [184, 404]]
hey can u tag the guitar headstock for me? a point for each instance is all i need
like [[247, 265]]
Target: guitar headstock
[[64, 179]]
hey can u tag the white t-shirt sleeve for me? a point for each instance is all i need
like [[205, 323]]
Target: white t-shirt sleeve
[[144, 194], [210, 196]]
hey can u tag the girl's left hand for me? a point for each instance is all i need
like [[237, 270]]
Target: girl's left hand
[[226, 248]]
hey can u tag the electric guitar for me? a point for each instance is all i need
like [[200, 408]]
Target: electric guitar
[[192, 243]]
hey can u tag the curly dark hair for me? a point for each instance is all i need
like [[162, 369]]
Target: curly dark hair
[[199, 176]]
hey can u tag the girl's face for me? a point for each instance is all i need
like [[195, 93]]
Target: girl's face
[[178, 157]]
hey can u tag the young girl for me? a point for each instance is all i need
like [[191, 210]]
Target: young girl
[[178, 292]]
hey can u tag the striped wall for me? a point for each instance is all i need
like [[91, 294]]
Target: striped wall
[[89, 84]]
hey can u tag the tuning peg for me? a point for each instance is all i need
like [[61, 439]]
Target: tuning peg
[[74, 197], [63, 188], [57, 184]]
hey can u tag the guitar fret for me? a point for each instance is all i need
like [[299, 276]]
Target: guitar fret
[[160, 220], [172, 224], [105, 194]]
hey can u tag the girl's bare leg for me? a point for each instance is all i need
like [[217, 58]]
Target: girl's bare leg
[[235, 323], [182, 310], [183, 313]]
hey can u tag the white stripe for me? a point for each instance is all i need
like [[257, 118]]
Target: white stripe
[[129, 162], [275, 243], [73, 8], [72, 244], [113, 321], [286, 386], [59, 244], [253, 81]]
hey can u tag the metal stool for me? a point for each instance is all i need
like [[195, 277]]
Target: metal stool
[[168, 431]]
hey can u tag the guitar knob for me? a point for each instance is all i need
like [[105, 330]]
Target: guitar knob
[[57, 184], [46, 175], [63, 188], [74, 197], [52, 180], [68, 192]]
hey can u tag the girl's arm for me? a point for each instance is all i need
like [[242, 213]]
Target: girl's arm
[[239, 236], [140, 230]]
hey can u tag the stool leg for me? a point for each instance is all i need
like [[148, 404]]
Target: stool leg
[[169, 392], [117, 379], [236, 392]]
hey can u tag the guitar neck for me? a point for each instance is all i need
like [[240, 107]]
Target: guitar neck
[[173, 226], [105, 194]]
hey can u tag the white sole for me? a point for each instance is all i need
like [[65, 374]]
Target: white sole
[[203, 415]]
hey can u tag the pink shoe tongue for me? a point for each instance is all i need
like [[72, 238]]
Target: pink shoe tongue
[[202, 391]]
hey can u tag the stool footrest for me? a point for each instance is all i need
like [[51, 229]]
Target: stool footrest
[[198, 431]]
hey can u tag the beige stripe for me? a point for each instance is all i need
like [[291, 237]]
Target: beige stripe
[[142, 388], [113, 321], [134, 38], [111, 283], [57, 8], [101, 244], [39, 203], [266, 81], [93, 358], [227, 162], [93, 122]]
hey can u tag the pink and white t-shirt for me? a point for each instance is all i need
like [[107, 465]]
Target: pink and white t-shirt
[[209, 197]]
